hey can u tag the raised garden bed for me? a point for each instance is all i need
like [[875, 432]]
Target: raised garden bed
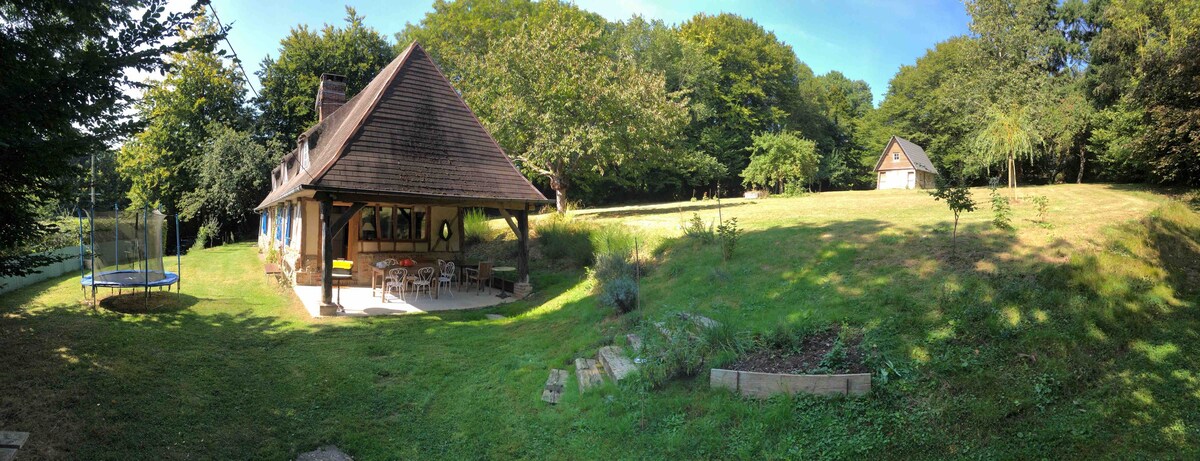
[[821, 364]]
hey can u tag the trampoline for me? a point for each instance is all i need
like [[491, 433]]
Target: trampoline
[[123, 249]]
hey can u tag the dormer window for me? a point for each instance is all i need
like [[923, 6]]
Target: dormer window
[[895, 156], [304, 160]]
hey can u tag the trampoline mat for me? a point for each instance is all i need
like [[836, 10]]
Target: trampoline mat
[[131, 278]]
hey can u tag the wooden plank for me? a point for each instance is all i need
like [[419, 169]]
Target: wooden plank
[[12, 439], [8, 454], [616, 365], [723, 379], [587, 372], [554, 386], [764, 385]]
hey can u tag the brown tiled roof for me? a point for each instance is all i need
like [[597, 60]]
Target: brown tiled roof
[[916, 155], [407, 133]]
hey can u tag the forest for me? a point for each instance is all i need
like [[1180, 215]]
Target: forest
[[594, 111]]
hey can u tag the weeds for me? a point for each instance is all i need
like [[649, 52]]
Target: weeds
[[1001, 207], [729, 234], [697, 230], [475, 226]]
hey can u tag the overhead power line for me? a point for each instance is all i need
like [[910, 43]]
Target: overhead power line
[[236, 59]]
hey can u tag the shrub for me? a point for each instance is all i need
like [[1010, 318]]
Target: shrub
[[729, 233], [620, 293], [566, 240], [696, 229], [1001, 209], [612, 238], [611, 266], [208, 234], [1043, 207], [475, 226]]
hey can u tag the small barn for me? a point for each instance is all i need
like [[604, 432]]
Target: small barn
[[904, 165]]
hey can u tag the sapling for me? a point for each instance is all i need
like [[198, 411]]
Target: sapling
[[958, 198]]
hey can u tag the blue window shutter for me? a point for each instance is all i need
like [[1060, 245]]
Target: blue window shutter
[[278, 222], [287, 240]]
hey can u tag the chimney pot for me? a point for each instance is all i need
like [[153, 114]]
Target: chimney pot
[[331, 95]]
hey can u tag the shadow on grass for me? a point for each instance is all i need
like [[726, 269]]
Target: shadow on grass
[[650, 210], [1022, 351]]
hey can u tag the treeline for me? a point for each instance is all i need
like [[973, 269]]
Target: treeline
[[596, 111], [1059, 92]]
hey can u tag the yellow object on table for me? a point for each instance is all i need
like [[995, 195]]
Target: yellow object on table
[[343, 264]]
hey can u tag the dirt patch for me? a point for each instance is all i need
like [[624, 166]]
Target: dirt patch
[[816, 355], [156, 302]]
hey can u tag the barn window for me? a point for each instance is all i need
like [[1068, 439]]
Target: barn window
[[895, 156]]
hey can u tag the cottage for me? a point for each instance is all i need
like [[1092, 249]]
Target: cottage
[[904, 165], [388, 174]]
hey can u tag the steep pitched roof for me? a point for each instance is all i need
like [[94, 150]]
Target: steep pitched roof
[[407, 133], [915, 154]]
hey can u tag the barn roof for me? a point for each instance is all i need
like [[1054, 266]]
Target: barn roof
[[407, 134], [915, 154]]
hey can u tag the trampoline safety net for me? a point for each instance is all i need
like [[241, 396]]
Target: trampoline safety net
[[126, 250]]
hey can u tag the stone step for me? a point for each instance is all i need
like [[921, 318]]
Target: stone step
[[12, 439], [493, 316], [588, 373], [700, 320], [616, 365], [554, 386]]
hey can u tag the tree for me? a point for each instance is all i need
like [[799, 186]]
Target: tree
[[757, 79], [1009, 134], [201, 89], [290, 82], [65, 98], [783, 160], [563, 108], [958, 197], [232, 175]]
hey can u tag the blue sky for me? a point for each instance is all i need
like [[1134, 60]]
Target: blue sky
[[864, 39]]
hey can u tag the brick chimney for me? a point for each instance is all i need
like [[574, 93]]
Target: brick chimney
[[331, 95]]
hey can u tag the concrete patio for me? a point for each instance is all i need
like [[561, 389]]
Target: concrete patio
[[363, 301]]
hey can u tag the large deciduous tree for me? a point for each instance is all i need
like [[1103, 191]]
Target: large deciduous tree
[[1008, 135], [201, 89], [66, 75], [232, 175], [563, 108], [781, 160], [290, 81], [757, 80]]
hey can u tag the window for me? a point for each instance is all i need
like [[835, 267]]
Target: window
[[262, 223], [287, 239], [386, 223], [368, 229], [895, 156], [393, 224], [278, 218], [304, 160]]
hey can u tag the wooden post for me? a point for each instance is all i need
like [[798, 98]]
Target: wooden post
[[330, 228], [523, 245], [327, 232]]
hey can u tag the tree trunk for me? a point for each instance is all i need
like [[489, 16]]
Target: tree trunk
[[1082, 161], [560, 193], [1012, 176]]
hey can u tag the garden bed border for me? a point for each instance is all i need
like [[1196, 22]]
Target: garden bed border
[[763, 385]]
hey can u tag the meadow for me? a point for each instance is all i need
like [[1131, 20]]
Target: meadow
[[1072, 336]]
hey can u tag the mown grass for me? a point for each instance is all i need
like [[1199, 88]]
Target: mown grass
[[1073, 341]]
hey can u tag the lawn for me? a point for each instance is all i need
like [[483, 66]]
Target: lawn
[[1076, 338]]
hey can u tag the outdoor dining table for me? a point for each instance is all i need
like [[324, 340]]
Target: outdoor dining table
[[412, 270]]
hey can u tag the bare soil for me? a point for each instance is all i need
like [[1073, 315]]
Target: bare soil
[[807, 359]]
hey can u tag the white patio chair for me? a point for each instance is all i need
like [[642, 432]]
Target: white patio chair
[[424, 281], [398, 279], [447, 278]]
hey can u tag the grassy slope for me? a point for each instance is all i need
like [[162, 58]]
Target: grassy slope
[[1077, 340]]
